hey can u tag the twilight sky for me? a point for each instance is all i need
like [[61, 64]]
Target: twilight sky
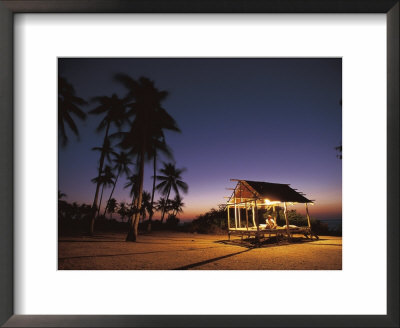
[[274, 120]]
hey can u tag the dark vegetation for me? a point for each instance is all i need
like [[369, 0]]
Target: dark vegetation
[[74, 218], [131, 132]]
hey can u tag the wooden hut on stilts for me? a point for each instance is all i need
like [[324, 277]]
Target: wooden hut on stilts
[[248, 197]]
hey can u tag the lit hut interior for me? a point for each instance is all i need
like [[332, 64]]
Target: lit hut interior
[[249, 197]]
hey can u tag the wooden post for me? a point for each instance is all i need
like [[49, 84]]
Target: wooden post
[[247, 216], [240, 193], [235, 215], [257, 223], [274, 213], [256, 214], [286, 219], [229, 223], [253, 216], [234, 199], [308, 216], [229, 220], [239, 219]]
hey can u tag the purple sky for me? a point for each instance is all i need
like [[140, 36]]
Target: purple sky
[[275, 120]]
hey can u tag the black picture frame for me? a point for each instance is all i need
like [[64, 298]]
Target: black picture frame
[[10, 7]]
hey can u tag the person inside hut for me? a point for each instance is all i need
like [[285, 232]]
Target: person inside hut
[[270, 222]]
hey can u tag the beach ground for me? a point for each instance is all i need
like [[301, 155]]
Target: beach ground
[[176, 250]]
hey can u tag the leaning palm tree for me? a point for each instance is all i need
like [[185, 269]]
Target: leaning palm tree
[[68, 103], [132, 184], [106, 151], [122, 162], [105, 180], [150, 119], [112, 205], [171, 180], [113, 109], [158, 145]]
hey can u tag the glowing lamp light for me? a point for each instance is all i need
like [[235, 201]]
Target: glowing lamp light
[[268, 202]]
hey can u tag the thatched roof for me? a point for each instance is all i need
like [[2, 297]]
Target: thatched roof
[[271, 191]]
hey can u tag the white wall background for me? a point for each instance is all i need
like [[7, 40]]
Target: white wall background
[[360, 288]]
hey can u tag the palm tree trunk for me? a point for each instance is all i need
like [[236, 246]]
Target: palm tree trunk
[[112, 191], [152, 192], [133, 229], [94, 210], [129, 218], [101, 197], [166, 203], [96, 195], [134, 198]]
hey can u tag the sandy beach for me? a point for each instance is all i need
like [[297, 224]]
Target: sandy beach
[[186, 251]]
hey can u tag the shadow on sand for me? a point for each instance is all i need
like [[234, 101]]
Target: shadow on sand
[[265, 242], [137, 253], [193, 265]]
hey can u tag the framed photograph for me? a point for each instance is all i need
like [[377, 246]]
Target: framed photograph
[[196, 150]]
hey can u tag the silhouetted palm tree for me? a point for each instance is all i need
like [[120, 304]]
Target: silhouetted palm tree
[[163, 205], [106, 150], [146, 205], [104, 180], [68, 103], [177, 205], [122, 210], [150, 119], [158, 145], [114, 110], [61, 195], [133, 184], [171, 179], [112, 205], [122, 162]]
